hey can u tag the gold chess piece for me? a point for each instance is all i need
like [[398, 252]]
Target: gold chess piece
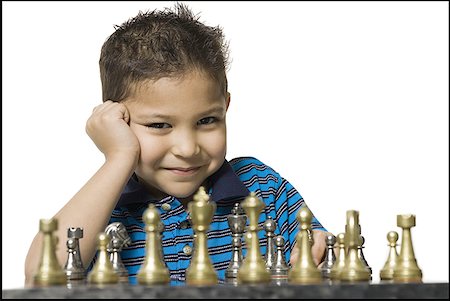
[[103, 271], [387, 272], [253, 269], [153, 271], [354, 269], [407, 269], [339, 264], [50, 271], [201, 211], [304, 271]]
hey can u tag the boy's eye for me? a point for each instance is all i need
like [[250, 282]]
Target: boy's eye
[[159, 125], [207, 120]]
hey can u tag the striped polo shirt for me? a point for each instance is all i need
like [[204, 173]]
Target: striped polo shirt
[[230, 184]]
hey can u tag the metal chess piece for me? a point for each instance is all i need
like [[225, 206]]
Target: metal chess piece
[[270, 226], [114, 248], [253, 269], [361, 255], [387, 272], [201, 210], [236, 222], [153, 271], [103, 271], [304, 271], [330, 257], [49, 272], [280, 269], [354, 269], [74, 269], [339, 264], [119, 238], [407, 269]]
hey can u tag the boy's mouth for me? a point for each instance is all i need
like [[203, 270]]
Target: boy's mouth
[[184, 171]]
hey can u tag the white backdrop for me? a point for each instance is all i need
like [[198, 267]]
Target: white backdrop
[[347, 100]]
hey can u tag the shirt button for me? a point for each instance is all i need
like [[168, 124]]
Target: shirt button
[[166, 207], [187, 250], [184, 224]]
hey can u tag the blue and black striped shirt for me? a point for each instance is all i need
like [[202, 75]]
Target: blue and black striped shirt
[[230, 184]]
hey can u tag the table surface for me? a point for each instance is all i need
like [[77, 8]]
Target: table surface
[[226, 291]]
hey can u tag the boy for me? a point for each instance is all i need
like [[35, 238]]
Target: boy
[[162, 130]]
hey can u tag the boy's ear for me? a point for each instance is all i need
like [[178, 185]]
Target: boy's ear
[[228, 99]]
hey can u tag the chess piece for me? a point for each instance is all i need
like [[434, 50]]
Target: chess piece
[[50, 271], [354, 269], [407, 269], [103, 271], [330, 257], [280, 269], [253, 269], [201, 211], [269, 226], [74, 269], [119, 238], [310, 236], [114, 248], [339, 264], [361, 255], [304, 271], [236, 222], [153, 271], [387, 272]]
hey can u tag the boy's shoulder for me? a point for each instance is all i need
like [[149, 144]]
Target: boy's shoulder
[[248, 164]]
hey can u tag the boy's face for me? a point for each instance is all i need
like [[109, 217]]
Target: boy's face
[[181, 128]]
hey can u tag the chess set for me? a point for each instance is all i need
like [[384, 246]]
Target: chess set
[[345, 265]]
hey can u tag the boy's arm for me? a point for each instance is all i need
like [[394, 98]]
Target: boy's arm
[[91, 207]]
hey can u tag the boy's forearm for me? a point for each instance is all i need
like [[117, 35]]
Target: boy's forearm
[[90, 208]]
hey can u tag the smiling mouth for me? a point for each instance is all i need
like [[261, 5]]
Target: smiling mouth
[[184, 171]]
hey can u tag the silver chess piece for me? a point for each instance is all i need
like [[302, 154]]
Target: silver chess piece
[[119, 239], [330, 257], [74, 269], [270, 226], [279, 270], [236, 222]]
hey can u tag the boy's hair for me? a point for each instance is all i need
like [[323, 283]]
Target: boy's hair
[[157, 44]]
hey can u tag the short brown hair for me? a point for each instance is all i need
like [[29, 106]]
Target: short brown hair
[[157, 44]]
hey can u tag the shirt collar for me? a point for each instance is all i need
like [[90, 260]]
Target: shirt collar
[[225, 185]]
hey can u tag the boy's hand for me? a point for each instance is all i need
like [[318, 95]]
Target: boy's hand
[[108, 127], [318, 248]]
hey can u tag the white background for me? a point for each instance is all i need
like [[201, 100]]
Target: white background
[[347, 100]]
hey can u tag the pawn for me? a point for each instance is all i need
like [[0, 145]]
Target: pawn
[[407, 269], [153, 271], [103, 271], [361, 255], [339, 264], [269, 226], [279, 270], [50, 271], [75, 272], [330, 257], [304, 271], [387, 272]]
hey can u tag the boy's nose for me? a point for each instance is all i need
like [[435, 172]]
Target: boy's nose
[[185, 145]]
